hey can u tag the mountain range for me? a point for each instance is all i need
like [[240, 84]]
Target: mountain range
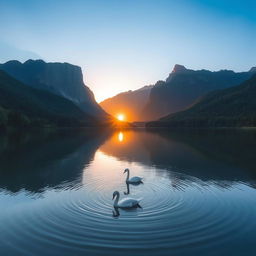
[[183, 88], [38, 93], [231, 107]]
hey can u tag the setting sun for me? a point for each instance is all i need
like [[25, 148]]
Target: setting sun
[[120, 117]]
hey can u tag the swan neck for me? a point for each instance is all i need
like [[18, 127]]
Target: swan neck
[[128, 188], [116, 200], [128, 175]]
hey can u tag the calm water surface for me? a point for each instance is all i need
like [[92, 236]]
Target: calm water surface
[[199, 194]]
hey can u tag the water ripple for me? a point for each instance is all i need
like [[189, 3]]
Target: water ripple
[[177, 214]]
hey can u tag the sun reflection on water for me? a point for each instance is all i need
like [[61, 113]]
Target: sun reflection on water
[[120, 137]]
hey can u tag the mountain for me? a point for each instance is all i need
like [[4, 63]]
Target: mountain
[[130, 103], [232, 107], [21, 105], [62, 79], [184, 87]]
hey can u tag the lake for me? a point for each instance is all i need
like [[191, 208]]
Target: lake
[[198, 193]]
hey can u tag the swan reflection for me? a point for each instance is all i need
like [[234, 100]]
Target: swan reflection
[[116, 212], [127, 192]]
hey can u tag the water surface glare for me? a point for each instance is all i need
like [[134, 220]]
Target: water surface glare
[[198, 194]]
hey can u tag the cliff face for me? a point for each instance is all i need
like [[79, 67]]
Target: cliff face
[[62, 79], [22, 105], [184, 87]]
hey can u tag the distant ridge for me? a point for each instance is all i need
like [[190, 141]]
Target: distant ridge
[[130, 103], [253, 70], [232, 107], [184, 87]]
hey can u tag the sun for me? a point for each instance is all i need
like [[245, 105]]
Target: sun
[[120, 117]]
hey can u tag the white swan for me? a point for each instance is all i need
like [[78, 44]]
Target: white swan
[[134, 179], [125, 202]]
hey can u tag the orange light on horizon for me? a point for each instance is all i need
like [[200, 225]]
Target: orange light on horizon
[[120, 117]]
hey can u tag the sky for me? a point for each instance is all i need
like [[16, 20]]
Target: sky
[[124, 45]]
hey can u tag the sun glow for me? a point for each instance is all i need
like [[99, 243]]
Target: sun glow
[[120, 117]]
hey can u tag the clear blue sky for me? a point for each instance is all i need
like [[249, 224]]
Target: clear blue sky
[[124, 45]]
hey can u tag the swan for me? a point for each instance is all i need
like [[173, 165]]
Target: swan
[[125, 202], [128, 188], [134, 179]]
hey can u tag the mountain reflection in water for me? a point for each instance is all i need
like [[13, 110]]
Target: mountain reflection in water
[[36, 162]]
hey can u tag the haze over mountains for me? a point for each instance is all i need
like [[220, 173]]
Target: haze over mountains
[[131, 103], [182, 89], [10, 52], [232, 107]]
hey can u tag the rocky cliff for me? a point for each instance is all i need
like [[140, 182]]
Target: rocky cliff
[[62, 79]]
